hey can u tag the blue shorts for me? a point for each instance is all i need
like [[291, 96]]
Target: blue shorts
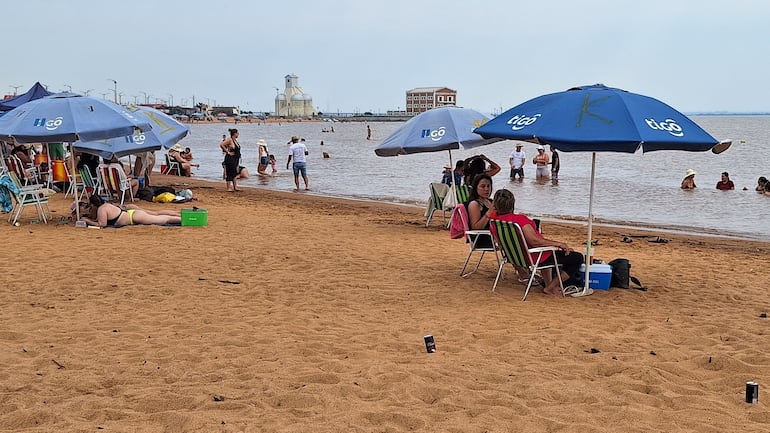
[[264, 160], [300, 167]]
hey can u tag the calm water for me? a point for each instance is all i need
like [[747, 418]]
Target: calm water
[[641, 189]]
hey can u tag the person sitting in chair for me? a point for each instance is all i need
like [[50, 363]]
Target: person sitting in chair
[[109, 215], [569, 260], [175, 154]]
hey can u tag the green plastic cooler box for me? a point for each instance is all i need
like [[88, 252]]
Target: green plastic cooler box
[[195, 217]]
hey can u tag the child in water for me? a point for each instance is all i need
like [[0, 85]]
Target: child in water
[[273, 164]]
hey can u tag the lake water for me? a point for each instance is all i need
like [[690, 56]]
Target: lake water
[[640, 189]]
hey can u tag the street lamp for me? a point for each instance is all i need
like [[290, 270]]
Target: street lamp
[[104, 95], [114, 89], [69, 88], [15, 88], [86, 92], [146, 97], [120, 98], [171, 99]]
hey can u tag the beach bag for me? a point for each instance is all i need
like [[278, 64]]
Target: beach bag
[[458, 222], [621, 275], [145, 194], [165, 197]]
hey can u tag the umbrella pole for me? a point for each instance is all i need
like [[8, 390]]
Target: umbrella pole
[[452, 185], [74, 183], [589, 246]]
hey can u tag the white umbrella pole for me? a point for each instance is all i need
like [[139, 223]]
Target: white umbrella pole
[[589, 246], [452, 186]]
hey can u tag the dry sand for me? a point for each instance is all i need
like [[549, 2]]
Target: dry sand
[[296, 313]]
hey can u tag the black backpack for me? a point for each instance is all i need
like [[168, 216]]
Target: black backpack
[[621, 275]]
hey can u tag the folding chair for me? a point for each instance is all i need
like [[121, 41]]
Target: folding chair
[[115, 181], [30, 195], [172, 167], [462, 193], [510, 239], [474, 240], [438, 192], [24, 175], [90, 183]]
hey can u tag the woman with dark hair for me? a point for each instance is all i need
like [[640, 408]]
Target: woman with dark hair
[[480, 206], [477, 164], [109, 215], [233, 169]]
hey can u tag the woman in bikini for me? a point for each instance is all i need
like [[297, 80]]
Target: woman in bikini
[[109, 215]]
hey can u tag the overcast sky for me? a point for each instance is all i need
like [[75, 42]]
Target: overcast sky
[[363, 55]]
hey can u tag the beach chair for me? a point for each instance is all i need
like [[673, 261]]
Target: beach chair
[[25, 175], [474, 239], [462, 193], [24, 196], [438, 192], [115, 181], [172, 167], [509, 238], [90, 183]]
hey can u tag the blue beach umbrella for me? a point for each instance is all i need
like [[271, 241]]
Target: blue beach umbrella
[[597, 118], [67, 117], [436, 130], [166, 132]]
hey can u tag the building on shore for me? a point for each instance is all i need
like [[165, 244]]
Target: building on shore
[[422, 99], [293, 102]]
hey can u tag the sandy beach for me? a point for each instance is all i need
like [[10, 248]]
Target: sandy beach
[[292, 312]]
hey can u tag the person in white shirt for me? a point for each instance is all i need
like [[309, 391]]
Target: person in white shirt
[[298, 152], [516, 161]]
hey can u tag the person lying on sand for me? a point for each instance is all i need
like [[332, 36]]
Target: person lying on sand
[[109, 215]]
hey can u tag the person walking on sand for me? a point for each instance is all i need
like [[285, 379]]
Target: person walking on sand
[[298, 152], [368, 132]]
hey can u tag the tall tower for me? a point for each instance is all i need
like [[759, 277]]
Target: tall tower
[[293, 102]]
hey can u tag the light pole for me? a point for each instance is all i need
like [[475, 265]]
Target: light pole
[[136, 97], [15, 88], [86, 92], [69, 88], [171, 104], [120, 98], [146, 97], [104, 95], [114, 89]]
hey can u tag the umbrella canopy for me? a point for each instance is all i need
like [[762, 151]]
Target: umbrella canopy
[[438, 129], [166, 132], [37, 91], [68, 117], [435, 130], [597, 118]]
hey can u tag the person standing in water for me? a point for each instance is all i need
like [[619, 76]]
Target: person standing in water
[[298, 152], [264, 158]]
